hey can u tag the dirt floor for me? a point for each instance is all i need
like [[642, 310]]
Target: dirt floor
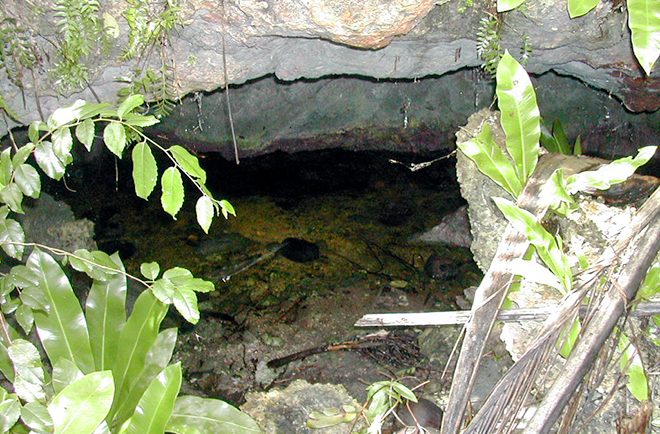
[[361, 223]]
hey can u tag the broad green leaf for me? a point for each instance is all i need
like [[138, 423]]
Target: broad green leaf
[[644, 23], [61, 328], [62, 142], [491, 161], [10, 410], [555, 188], [150, 270], [28, 371], [172, 191], [12, 196], [145, 170], [28, 180], [24, 317], [507, 5], [135, 340], [188, 162], [520, 117], [570, 339], [65, 115], [577, 8], [613, 173], [12, 232], [106, 314], [158, 357], [22, 155], [156, 405], [141, 121], [65, 372], [5, 167], [129, 104], [114, 137], [48, 161], [85, 133], [83, 404], [205, 211], [227, 208], [546, 245], [195, 415], [35, 415]]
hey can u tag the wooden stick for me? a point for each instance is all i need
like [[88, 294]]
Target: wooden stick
[[463, 316]]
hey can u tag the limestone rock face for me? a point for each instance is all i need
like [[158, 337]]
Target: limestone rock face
[[310, 39]]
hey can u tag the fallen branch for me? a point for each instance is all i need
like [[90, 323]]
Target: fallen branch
[[462, 316]]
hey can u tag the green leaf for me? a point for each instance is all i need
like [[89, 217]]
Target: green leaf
[[156, 405], [48, 161], [195, 415], [570, 339], [96, 264], [174, 288], [141, 121], [546, 245], [651, 285], [145, 170], [12, 232], [129, 104], [577, 8], [491, 161], [62, 143], [577, 147], [613, 173], [227, 209], [33, 130], [5, 167], [548, 141], [135, 340], [404, 392], [561, 139], [507, 5], [10, 410], [631, 364], [89, 110], [85, 133], [6, 367], [644, 23], [35, 415], [114, 137], [65, 372], [150, 270], [24, 317], [158, 357], [65, 115], [83, 404], [172, 191], [520, 117], [12, 196], [205, 211], [22, 155], [106, 315], [188, 163], [61, 328], [28, 180], [28, 371]]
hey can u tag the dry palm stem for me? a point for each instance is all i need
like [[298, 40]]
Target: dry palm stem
[[493, 288], [499, 412]]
